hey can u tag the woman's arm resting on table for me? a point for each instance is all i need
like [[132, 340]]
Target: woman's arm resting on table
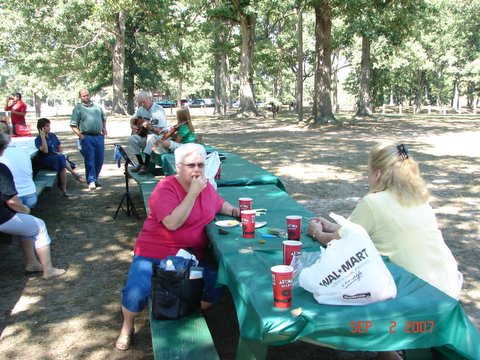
[[228, 209]]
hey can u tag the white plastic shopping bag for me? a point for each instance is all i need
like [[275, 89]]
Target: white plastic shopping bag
[[212, 163], [350, 270]]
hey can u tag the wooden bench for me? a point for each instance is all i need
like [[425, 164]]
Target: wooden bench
[[40, 185], [47, 176], [185, 338], [146, 184], [146, 189]]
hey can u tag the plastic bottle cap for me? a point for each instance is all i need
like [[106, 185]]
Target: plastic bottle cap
[[169, 265]]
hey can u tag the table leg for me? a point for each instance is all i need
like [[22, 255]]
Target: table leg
[[251, 350]]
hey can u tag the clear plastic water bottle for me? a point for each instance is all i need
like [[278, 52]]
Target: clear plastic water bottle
[[79, 145], [169, 265]]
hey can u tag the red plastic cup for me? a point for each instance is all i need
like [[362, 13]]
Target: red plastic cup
[[245, 203], [294, 227], [291, 248], [282, 283], [247, 218]]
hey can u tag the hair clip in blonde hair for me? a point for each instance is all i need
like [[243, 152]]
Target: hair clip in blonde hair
[[402, 151]]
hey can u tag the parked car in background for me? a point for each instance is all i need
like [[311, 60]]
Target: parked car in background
[[198, 103], [167, 103], [209, 102]]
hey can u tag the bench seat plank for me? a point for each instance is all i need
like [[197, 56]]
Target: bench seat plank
[[40, 185], [146, 190], [48, 176], [185, 338]]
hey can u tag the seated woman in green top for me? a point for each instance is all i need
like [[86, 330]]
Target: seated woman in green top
[[185, 133]]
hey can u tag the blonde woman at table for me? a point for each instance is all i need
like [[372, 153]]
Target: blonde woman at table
[[181, 206], [400, 221]]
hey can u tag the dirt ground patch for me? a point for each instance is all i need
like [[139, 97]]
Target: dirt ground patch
[[324, 169]]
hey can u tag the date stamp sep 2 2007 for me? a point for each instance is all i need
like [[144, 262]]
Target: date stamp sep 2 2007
[[407, 327]]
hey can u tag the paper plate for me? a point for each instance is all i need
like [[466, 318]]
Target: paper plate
[[260, 224], [227, 223]]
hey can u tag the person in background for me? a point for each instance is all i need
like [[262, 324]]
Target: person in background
[[400, 222], [185, 133], [50, 155], [18, 110], [154, 124], [180, 207], [89, 123], [15, 220]]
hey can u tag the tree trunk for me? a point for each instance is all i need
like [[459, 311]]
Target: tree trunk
[[221, 72], [247, 30], [225, 78], [470, 94], [118, 65], [37, 102], [456, 96], [364, 108], [131, 70], [420, 88], [299, 99], [322, 106], [336, 105]]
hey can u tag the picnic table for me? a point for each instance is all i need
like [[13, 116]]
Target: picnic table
[[420, 317], [236, 171], [27, 144]]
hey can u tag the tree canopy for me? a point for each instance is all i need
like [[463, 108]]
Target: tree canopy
[[415, 52]]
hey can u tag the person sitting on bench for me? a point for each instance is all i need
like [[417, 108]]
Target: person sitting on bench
[[15, 220], [180, 207], [50, 155], [20, 164], [184, 134], [148, 124]]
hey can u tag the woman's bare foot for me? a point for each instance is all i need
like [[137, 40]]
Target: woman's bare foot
[[53, 273]]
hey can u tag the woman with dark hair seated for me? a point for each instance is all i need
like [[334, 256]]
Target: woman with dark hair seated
[[51, 157], [15, 220]]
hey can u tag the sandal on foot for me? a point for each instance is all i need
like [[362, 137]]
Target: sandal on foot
[[124, 341], [67, 194], [54, 273]]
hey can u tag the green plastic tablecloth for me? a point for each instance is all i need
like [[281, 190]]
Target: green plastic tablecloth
[[419, 317], [236, 171]]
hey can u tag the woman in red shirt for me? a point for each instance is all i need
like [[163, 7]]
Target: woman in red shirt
[[180, 207]]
